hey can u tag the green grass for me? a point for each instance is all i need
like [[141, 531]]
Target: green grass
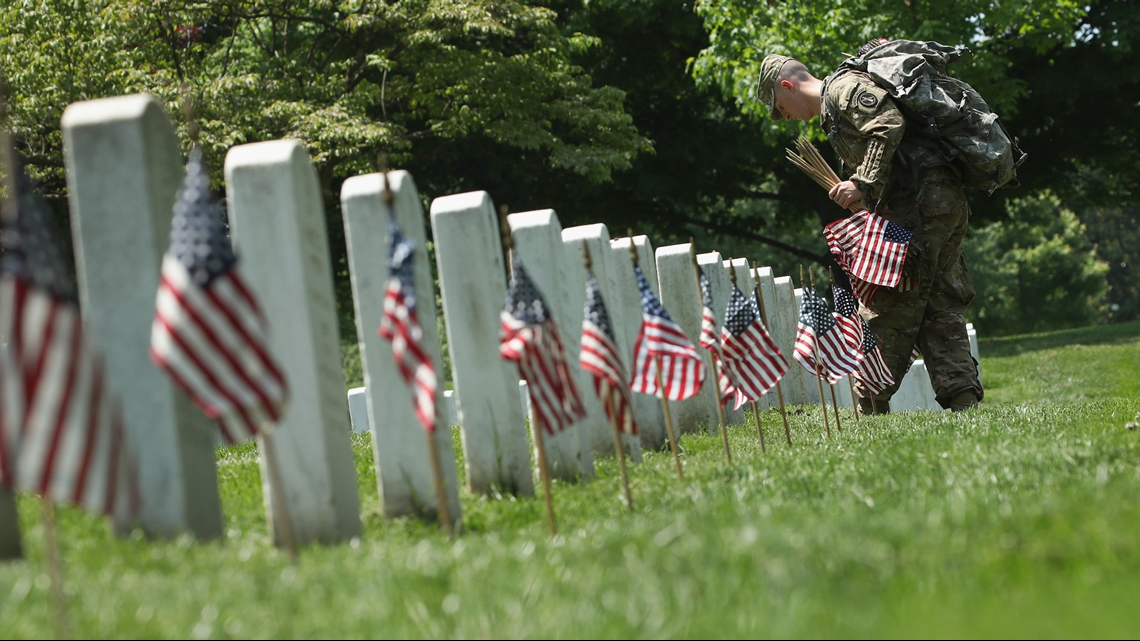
[[1073, 365], [1016, 519]]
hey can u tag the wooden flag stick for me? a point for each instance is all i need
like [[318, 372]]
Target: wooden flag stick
[[443, 510], [831, 386], [668, 421], [854, 403], [660, 386], [536, 425], [543, 471], [815, 350], [55, 568], [779, 390], [755, 407], [618, 449], [712, 359], [607, 395], [850, 386]]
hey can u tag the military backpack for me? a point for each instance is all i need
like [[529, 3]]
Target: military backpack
[[943, 109]]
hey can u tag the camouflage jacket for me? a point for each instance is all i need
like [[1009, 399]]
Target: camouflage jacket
[[868, 132]]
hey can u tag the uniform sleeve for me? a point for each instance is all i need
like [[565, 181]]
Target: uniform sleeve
[[879, 124]]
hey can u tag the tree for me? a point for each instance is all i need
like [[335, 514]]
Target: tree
[[488, 82]]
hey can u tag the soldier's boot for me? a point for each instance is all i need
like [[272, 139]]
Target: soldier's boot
[[867, 407], [963, 401]]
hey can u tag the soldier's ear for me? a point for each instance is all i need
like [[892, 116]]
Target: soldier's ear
[[789, 85]]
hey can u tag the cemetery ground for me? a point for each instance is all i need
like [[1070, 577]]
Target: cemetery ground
[[1017, 519]]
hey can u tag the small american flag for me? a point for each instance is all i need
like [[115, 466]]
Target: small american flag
[[208, 333], [599, 356], [61, 429], [400, 325], [871, 250], [751, 357], [872, 372], [710, 340], [882, 252], [817, 326], [683, 371], [529, 336], [847, 317]]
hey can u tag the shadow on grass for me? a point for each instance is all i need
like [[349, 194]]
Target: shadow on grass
[[1099, 335]]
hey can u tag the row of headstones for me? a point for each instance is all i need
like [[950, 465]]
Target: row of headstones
[[915, 393], [123, 168]]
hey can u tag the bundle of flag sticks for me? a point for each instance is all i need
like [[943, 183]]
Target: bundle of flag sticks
[[813, 164]]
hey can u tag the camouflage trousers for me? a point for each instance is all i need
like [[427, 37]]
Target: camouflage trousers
[[930, 316]]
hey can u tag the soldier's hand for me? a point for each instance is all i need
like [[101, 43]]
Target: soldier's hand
[[846, 194]]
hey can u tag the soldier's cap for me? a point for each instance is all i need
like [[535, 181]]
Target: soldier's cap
[[766, 83]]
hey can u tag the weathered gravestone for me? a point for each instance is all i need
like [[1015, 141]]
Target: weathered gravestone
[[123, 171], [358, 410], [278, 225], [626, 304], [811, 381], [597, 238], [972, 334], [682, 299], [538, 241], [746, 284], [472, 280], [450, 413], [400, 449], [717, 272], [782, 327]]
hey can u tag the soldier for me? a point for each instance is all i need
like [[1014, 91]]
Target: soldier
[[910, 182]]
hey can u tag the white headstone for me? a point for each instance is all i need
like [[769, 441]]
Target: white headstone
[[972, 334], [746, 284], [538, 241], [682, 299], [783, 316], [123, 171], [472, 280], [358, 410], [782, 332], [400, 449], [278, 224], [811, 381], [597, 238], [450, 413], [910, 394], [717, 272], [626, 304]]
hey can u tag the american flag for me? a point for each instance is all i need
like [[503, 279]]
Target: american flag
[[683, 371], [847, 317], [208, 333], [817, 326], [872, 372], [882, 252], [871, 250], [61, 428], [599, 356], [400, 325], [751, 357], [710, 340], [529, 336]]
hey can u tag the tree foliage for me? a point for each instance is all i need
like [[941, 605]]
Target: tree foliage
[[350, 78], [1037, 271]]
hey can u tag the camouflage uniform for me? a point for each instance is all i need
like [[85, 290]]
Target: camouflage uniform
[[911, 184]]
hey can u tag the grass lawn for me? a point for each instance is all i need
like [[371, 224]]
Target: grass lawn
[[1016, 519]]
